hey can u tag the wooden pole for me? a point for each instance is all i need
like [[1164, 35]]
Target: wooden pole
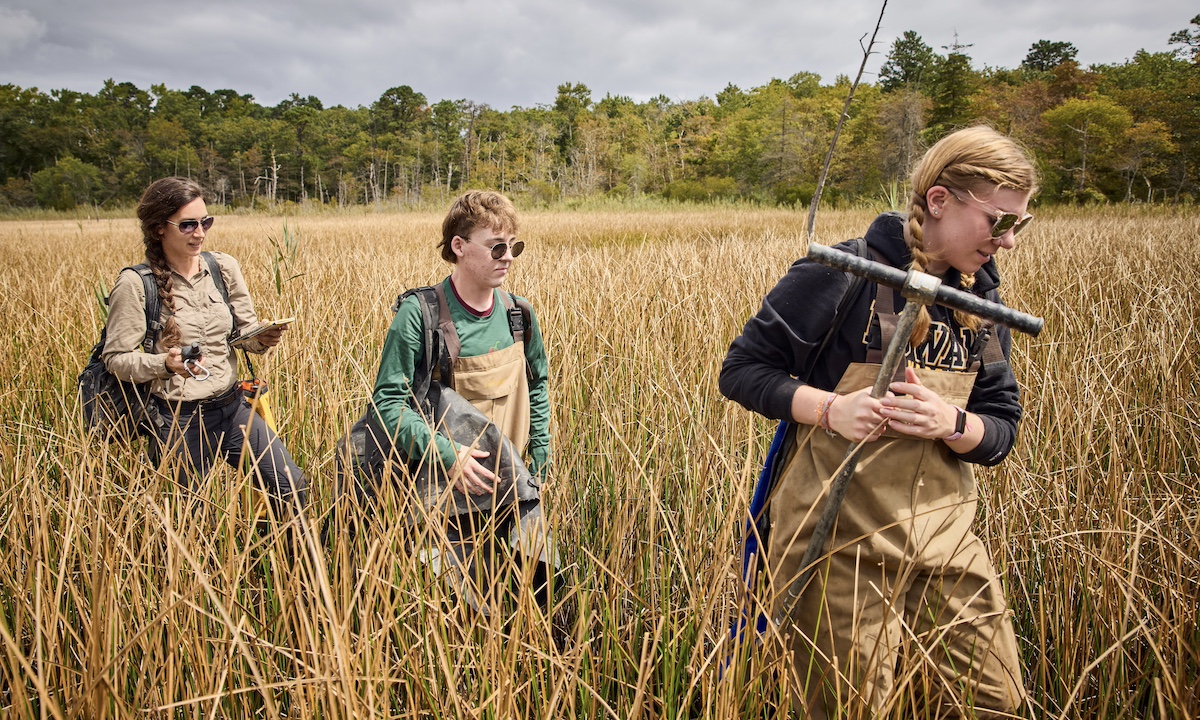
[[867, 51]]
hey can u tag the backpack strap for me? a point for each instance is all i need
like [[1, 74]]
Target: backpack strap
[[885, 310], [436, 362], [432, 341], [518, 310], [983, 349], [154, 323], [442, 344], [519, 323], [450, 342], [987, 350], [214, 271], [856, 285]]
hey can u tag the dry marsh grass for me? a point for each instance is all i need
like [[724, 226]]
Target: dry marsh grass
[[124, 596]]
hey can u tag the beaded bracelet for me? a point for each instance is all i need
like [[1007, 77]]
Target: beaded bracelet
[[823, 416]]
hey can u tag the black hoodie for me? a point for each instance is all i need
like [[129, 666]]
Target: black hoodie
[[777, 348]]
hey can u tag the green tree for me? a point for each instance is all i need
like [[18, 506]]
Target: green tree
[[908, 63], [1189, 39], [400, 110], [1088, 132], [804, 84], [67, 184], [954, 81], [1045, 55], [730, 100], [573, 100], [167, 149], [24, 116]]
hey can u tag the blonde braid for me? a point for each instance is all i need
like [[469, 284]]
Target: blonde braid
[[914, 237]]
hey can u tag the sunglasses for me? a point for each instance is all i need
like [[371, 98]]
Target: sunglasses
[[1004, 221], [187, 227], [499, 248]]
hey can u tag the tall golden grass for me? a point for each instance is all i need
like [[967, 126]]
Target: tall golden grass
[[124, 596]]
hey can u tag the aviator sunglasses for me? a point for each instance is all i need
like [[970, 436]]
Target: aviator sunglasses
[[499, 248], [187, 227], [1004, 221]]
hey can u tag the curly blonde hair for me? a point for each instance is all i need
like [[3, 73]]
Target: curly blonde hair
[[473, 210], [976, 159]]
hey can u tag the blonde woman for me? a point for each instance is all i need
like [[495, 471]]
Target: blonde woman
[[907, 590]]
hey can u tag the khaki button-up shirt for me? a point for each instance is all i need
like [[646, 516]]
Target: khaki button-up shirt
[[201, 314]]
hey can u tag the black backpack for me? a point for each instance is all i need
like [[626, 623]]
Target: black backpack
[[119, 410]]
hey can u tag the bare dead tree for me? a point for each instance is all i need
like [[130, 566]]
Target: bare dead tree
[[867, 52]]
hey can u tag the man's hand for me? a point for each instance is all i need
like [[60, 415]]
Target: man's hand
[[469, 476]]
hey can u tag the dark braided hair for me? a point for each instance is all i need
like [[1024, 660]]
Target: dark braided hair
[[160, 201]]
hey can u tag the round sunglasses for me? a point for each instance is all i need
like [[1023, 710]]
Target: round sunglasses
[[499, 248], [1004, 220], [187, 227]]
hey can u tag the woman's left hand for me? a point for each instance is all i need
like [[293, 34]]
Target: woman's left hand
[[916, 410], [271, 337]]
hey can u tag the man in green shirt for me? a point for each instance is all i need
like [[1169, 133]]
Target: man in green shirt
[[503, 377]]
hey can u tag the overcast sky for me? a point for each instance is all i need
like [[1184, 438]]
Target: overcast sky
[[516, 52]]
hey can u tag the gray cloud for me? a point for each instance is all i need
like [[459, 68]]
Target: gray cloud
[[515, 52], [19, 30]]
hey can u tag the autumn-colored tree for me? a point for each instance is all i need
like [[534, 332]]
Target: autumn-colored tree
[[1145, 150]]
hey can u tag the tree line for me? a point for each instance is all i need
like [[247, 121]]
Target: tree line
[[1125, 132]]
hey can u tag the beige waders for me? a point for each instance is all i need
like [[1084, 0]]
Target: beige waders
[[904, 578], [481, 544]]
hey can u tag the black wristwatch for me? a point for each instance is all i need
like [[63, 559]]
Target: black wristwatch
[[960, 425]]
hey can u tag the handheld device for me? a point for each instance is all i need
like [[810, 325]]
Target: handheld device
[[191, 354]]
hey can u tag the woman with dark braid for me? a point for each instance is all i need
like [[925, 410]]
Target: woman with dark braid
[[906, 607], [205, 413]]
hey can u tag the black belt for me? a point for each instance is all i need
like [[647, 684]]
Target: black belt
[[185, 407]]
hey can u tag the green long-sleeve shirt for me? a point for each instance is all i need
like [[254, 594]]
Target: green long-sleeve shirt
[[404, 349]]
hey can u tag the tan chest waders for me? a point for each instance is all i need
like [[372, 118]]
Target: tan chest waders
[[479, 545], [904, 576]]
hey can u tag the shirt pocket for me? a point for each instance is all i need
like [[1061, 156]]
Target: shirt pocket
[[220, 322]]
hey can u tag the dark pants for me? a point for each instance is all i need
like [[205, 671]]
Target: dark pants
[[197, 434], [489, 551], [482, 553]]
